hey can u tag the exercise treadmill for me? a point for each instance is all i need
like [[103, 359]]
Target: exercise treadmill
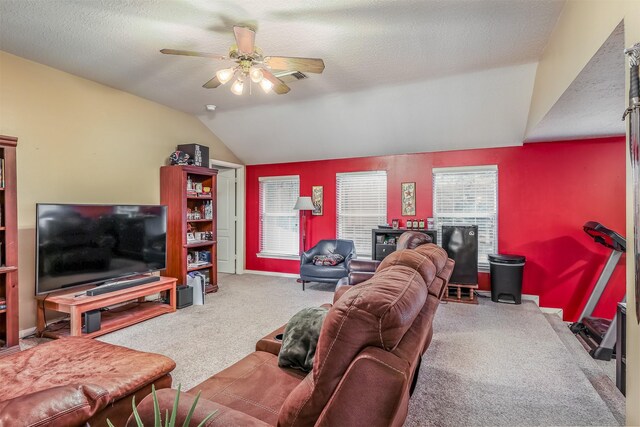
[[599, 335]]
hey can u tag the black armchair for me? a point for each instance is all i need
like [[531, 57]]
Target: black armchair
[[309, 272]]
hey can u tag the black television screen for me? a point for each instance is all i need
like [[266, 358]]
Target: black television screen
[[89, 244]]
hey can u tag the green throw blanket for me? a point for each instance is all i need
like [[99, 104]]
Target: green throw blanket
[[301, 338]]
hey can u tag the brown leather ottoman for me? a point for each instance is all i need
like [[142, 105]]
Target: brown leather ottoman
[[101, 377]]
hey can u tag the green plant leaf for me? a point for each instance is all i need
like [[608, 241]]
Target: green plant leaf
[[207, 419], [169, 421], [156, 408], [174, 411], [193, 408], [136, 415]]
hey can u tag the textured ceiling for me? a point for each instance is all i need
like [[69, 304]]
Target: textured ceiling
[[478, 110], [593, 104], [368, 46]]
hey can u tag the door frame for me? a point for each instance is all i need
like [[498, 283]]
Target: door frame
[[240, 208]]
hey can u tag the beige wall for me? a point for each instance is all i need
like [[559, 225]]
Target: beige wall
[[82, 142], [582, 28]]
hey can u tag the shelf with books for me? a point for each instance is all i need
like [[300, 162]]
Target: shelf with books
[[200, 244], [190, 195], [193, 267], [202, 197], [8, 246]]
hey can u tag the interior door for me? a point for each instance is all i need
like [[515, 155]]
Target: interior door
[[226, 217]]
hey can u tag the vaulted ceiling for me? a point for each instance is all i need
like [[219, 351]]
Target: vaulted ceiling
[[401, 76]]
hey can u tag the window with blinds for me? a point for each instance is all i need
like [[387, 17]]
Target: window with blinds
[[361, 207], [279, 223], [468, 196]]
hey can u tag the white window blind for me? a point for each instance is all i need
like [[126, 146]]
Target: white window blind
[[468, 196], [279, 223], [362, 206]]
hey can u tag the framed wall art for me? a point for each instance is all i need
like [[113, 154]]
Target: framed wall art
[[316, 197], [408, 198]]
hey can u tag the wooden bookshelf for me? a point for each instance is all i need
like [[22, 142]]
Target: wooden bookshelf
[[8, 245], [182, 205]]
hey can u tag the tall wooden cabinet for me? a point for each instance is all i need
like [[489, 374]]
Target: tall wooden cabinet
[[8, 246], [189, 192]]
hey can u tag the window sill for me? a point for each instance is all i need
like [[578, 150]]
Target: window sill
[[278, 256]]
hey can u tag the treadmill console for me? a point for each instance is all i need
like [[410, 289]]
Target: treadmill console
[[605, 236]]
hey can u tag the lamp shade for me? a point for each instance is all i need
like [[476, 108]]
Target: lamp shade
[[304, 204]]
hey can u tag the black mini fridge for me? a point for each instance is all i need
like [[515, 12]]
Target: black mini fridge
[[461, 244]]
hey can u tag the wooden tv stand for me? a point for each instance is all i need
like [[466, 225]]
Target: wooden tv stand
[[75, 303]]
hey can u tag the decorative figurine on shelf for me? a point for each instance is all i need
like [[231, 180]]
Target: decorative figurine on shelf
[[208, 210], [180, 158]]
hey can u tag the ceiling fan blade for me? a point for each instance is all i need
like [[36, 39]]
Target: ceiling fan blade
[[191, 53], [245, 39], [308, 65], [213, 83], [278, 85]]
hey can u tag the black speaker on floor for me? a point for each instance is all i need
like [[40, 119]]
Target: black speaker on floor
[[461, 244], [184, 296], [91, 321]]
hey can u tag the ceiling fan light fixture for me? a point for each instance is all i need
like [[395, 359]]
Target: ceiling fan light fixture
[[237, 87], [256, 74], [225, 75], [266, 85]]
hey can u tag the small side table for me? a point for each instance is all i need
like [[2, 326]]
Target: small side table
[[621, 348]]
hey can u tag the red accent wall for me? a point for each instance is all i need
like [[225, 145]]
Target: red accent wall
[[547, 191]]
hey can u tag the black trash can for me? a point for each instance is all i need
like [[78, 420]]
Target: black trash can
[[506, 277]]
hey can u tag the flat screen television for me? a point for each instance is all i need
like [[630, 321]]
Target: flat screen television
[[90, 244]]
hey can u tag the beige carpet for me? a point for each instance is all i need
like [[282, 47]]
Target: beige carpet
[[492, 364], [206, 339]]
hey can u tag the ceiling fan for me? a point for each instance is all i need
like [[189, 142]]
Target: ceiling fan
[[252, 65]]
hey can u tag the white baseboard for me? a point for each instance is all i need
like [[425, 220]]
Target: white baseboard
[[535, 299], [29, 331], [272, 273], [26, 332], [552, 310]]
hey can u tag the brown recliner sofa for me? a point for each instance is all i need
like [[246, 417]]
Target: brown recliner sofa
[[370, 345]]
